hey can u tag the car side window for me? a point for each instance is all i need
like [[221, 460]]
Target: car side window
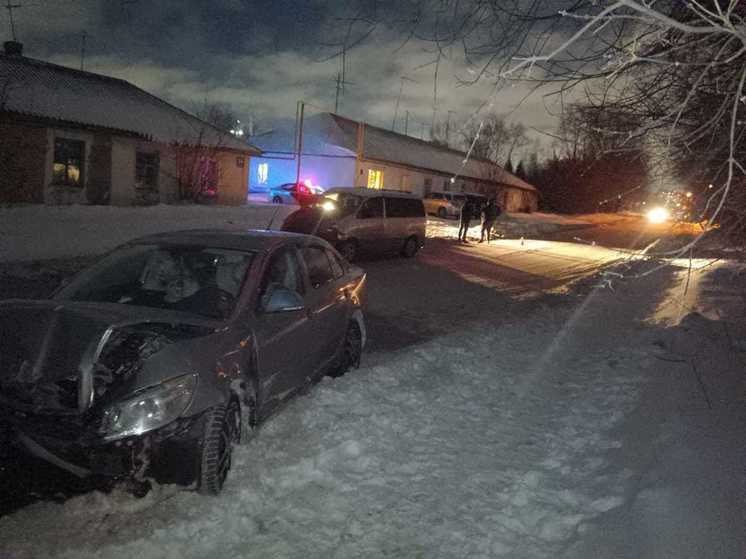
[[318, 265], [282, 272], [404, 207], [337, 266], [371, 209]]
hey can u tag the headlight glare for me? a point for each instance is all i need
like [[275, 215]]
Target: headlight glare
[[148, 410]]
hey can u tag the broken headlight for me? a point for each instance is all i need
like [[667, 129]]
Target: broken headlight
[[148, 410]]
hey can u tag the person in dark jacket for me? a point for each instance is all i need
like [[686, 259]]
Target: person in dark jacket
[[489, 215], [467, 212]]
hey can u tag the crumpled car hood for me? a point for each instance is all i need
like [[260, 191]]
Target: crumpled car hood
[[58, 356]]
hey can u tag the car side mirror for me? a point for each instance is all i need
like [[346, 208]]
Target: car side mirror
[[283, 300]]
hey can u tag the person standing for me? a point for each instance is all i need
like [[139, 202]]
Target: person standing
[[467, 211], [489, 215]]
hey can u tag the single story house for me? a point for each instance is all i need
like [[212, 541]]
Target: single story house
[[69, 136], [337, 151]]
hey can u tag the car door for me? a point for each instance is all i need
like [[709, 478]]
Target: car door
[[395, 222], [327, 301], [284, 349], [369, 227]]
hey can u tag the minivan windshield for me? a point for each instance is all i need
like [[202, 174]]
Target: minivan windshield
[[195, 279]]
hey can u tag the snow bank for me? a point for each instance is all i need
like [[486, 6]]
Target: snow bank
[[510, 225], [42, 232]]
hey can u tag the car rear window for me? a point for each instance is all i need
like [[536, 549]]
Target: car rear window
[[404, 207]]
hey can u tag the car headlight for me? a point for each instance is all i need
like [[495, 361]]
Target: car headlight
[[148, 410], [658, 215]]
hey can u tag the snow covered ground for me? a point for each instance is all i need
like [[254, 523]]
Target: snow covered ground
[[40, 232], [43, 232], [591, 425], [577, 431]]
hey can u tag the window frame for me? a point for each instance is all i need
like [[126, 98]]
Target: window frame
[[323, 251], [139, 184], [300, 275], [375, 179], [59, 141], [262, 173], [367, 201]]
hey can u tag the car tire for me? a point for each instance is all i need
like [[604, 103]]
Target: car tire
[[352, 350], [348, 249], [410, 248], [442, 214], [277, 200], [222, 431]]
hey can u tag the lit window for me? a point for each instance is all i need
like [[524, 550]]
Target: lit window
[[375, 179], [262, 173], [68, 162]]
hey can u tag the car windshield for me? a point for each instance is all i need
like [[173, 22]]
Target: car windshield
[[345, 204], [195, 279]]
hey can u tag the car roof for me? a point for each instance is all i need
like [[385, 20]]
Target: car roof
[[369, 192], [255, 240]]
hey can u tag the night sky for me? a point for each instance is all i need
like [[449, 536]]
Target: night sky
[[261, 56]]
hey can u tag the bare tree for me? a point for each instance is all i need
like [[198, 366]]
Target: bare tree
[[678, 65], [492, 138]]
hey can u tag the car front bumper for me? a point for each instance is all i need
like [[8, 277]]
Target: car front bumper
[[169, 454]]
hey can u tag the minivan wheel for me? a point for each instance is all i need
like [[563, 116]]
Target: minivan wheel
[[442, 214], [222, 431], [348, 249], [277, 200], [352, 349], [410, 248]]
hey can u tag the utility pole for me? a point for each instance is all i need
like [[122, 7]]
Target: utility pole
[[302, 106], [406, 123], [10, 7], [82, 50], [448, 128], [435, 95]]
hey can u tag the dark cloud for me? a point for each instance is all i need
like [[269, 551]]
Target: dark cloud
[[261, 56]]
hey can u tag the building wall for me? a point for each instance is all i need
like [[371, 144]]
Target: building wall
[[23, 151], [322, 171], [124, 156], [232, 177]]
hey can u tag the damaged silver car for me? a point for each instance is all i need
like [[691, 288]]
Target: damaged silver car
[[148, 364]]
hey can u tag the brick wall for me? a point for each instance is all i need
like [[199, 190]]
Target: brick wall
[[23, 151]]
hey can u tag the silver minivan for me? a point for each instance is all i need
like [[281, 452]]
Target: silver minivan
[[359, 220]]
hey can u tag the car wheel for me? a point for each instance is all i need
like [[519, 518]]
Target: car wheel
[[410, 248], [442, 214], [277, 200], [352, 349], [348, 249], [222, 431]]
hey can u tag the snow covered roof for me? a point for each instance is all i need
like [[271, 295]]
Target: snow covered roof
[[333, 135], [41, 89]]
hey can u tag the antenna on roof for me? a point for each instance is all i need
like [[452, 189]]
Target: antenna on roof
[[82, 50], [10, 7], [341, 83], [398, 99]]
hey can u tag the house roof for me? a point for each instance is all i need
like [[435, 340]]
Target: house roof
[[40, 89], [331, 135]]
